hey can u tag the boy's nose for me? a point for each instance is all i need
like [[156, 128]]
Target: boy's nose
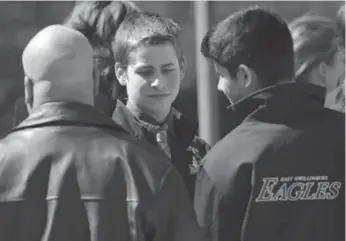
[[219, 84], [157, 83]]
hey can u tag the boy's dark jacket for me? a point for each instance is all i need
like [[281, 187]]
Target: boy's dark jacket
[[187, 149], [68, 172], [280, 174]]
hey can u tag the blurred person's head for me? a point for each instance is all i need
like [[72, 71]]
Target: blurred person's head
[[149, 62], [99, 22], [58, 66], [317, 57], [336, 98], [250, 49], [340, 24]]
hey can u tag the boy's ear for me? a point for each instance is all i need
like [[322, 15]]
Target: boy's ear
[[246, 75], [120, 73], [182, 67]]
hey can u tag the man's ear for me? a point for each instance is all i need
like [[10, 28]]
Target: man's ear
[[246, 75], [29, 93], [183, 67], [120, 73]]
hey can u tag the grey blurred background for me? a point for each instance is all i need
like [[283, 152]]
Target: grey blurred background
[[19, 21]]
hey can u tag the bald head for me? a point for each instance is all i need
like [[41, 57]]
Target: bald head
[[59, 60], [56, 51]]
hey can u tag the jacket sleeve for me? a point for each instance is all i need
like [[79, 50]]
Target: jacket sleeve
[[181, 223], [221, 209]]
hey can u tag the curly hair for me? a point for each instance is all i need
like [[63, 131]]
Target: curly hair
[[99, 21], [315, 40]]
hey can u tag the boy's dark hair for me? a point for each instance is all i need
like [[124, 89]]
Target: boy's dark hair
[[256, 38], [99, 22], [340, 24], [144, 28]]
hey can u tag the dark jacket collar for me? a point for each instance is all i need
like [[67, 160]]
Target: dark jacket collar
[[179, 126], [123, 117], [68, 113], [335, 99], [280, 97]]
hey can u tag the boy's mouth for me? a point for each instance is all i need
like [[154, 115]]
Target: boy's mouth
[[159, 95]]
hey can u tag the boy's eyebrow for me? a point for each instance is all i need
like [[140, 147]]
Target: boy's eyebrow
[[144, 66]]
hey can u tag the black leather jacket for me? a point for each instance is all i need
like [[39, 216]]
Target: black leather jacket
[[68, 172]]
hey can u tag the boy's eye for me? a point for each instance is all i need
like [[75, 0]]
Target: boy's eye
[[145, 72], [168, 70]]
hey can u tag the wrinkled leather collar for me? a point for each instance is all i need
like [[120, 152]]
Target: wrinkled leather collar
[[123, 117], [60, 113], [280, 96]]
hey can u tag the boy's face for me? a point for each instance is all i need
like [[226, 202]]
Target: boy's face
[[227, 84], [153, 77]]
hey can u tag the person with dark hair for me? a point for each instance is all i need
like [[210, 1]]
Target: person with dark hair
[[68, 172], [99, 22], [318, 56], [279, 175], [151, 64]]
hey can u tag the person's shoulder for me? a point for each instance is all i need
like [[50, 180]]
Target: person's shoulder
[[241, 146], [331, 118], [228, 160], [14, 142], [222, 156], [13, 151]]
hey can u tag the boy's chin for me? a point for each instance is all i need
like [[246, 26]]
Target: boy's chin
[[158, 103]]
